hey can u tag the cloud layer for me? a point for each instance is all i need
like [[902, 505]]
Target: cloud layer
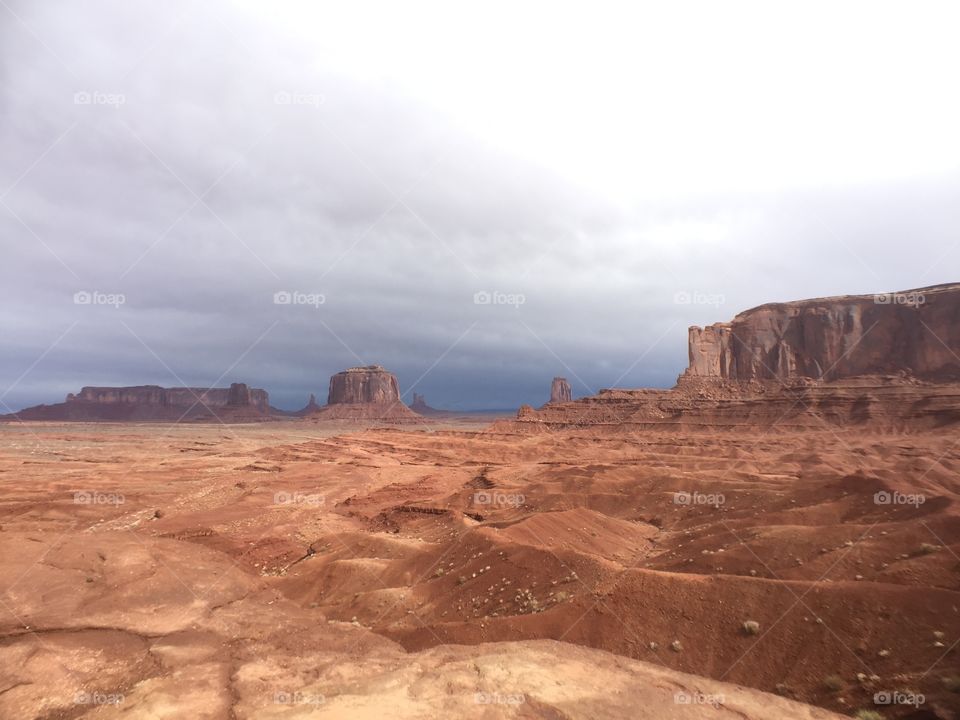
[[602, 192]]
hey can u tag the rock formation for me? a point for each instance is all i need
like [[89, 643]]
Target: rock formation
[[419, 405], [370, 384], [916, 332], [365, 393], [155, 403], [887, 360], [560, 391], [310, 408], [239, 395]]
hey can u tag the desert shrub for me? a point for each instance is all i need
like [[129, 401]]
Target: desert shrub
[[833, 683]]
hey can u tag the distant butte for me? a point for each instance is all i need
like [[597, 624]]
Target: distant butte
[[365, 393], [419, 405], [152, 403]]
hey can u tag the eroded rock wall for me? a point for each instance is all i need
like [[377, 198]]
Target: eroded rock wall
[[915, 333]]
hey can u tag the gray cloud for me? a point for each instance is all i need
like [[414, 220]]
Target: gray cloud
[[322, 182]]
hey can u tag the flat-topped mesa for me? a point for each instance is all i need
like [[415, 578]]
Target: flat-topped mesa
[[364, 385], [914, 333], [148, 403], [237, 395], [560, 391]]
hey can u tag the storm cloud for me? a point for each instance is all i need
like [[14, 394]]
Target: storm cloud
[[478, 200]]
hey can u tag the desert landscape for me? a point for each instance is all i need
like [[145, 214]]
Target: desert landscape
[[497, 361], [776, 536]]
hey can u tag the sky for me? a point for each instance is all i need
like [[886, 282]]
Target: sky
[[478, 196]]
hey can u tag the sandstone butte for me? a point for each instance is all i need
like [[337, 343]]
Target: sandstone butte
[[368, 393]]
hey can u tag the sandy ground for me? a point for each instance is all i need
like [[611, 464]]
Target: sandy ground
[[301, 569]]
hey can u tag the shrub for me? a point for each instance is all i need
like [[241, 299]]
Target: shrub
[[833, 683]]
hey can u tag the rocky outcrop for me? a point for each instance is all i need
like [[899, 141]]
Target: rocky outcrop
[[560, 391], [914, 333], [239, 395], [368, 393], [363, 385], [155, 403], [311, 408], [419, 405]]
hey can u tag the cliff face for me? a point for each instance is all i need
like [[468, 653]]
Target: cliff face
[[366, 385], [560, 390], [915, 332]]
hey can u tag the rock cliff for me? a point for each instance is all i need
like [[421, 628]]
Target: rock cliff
[[914, 333]]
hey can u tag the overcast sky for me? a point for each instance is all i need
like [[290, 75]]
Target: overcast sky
[[609, 173]]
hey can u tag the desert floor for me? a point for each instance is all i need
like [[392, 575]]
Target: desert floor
[[297, 569]]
